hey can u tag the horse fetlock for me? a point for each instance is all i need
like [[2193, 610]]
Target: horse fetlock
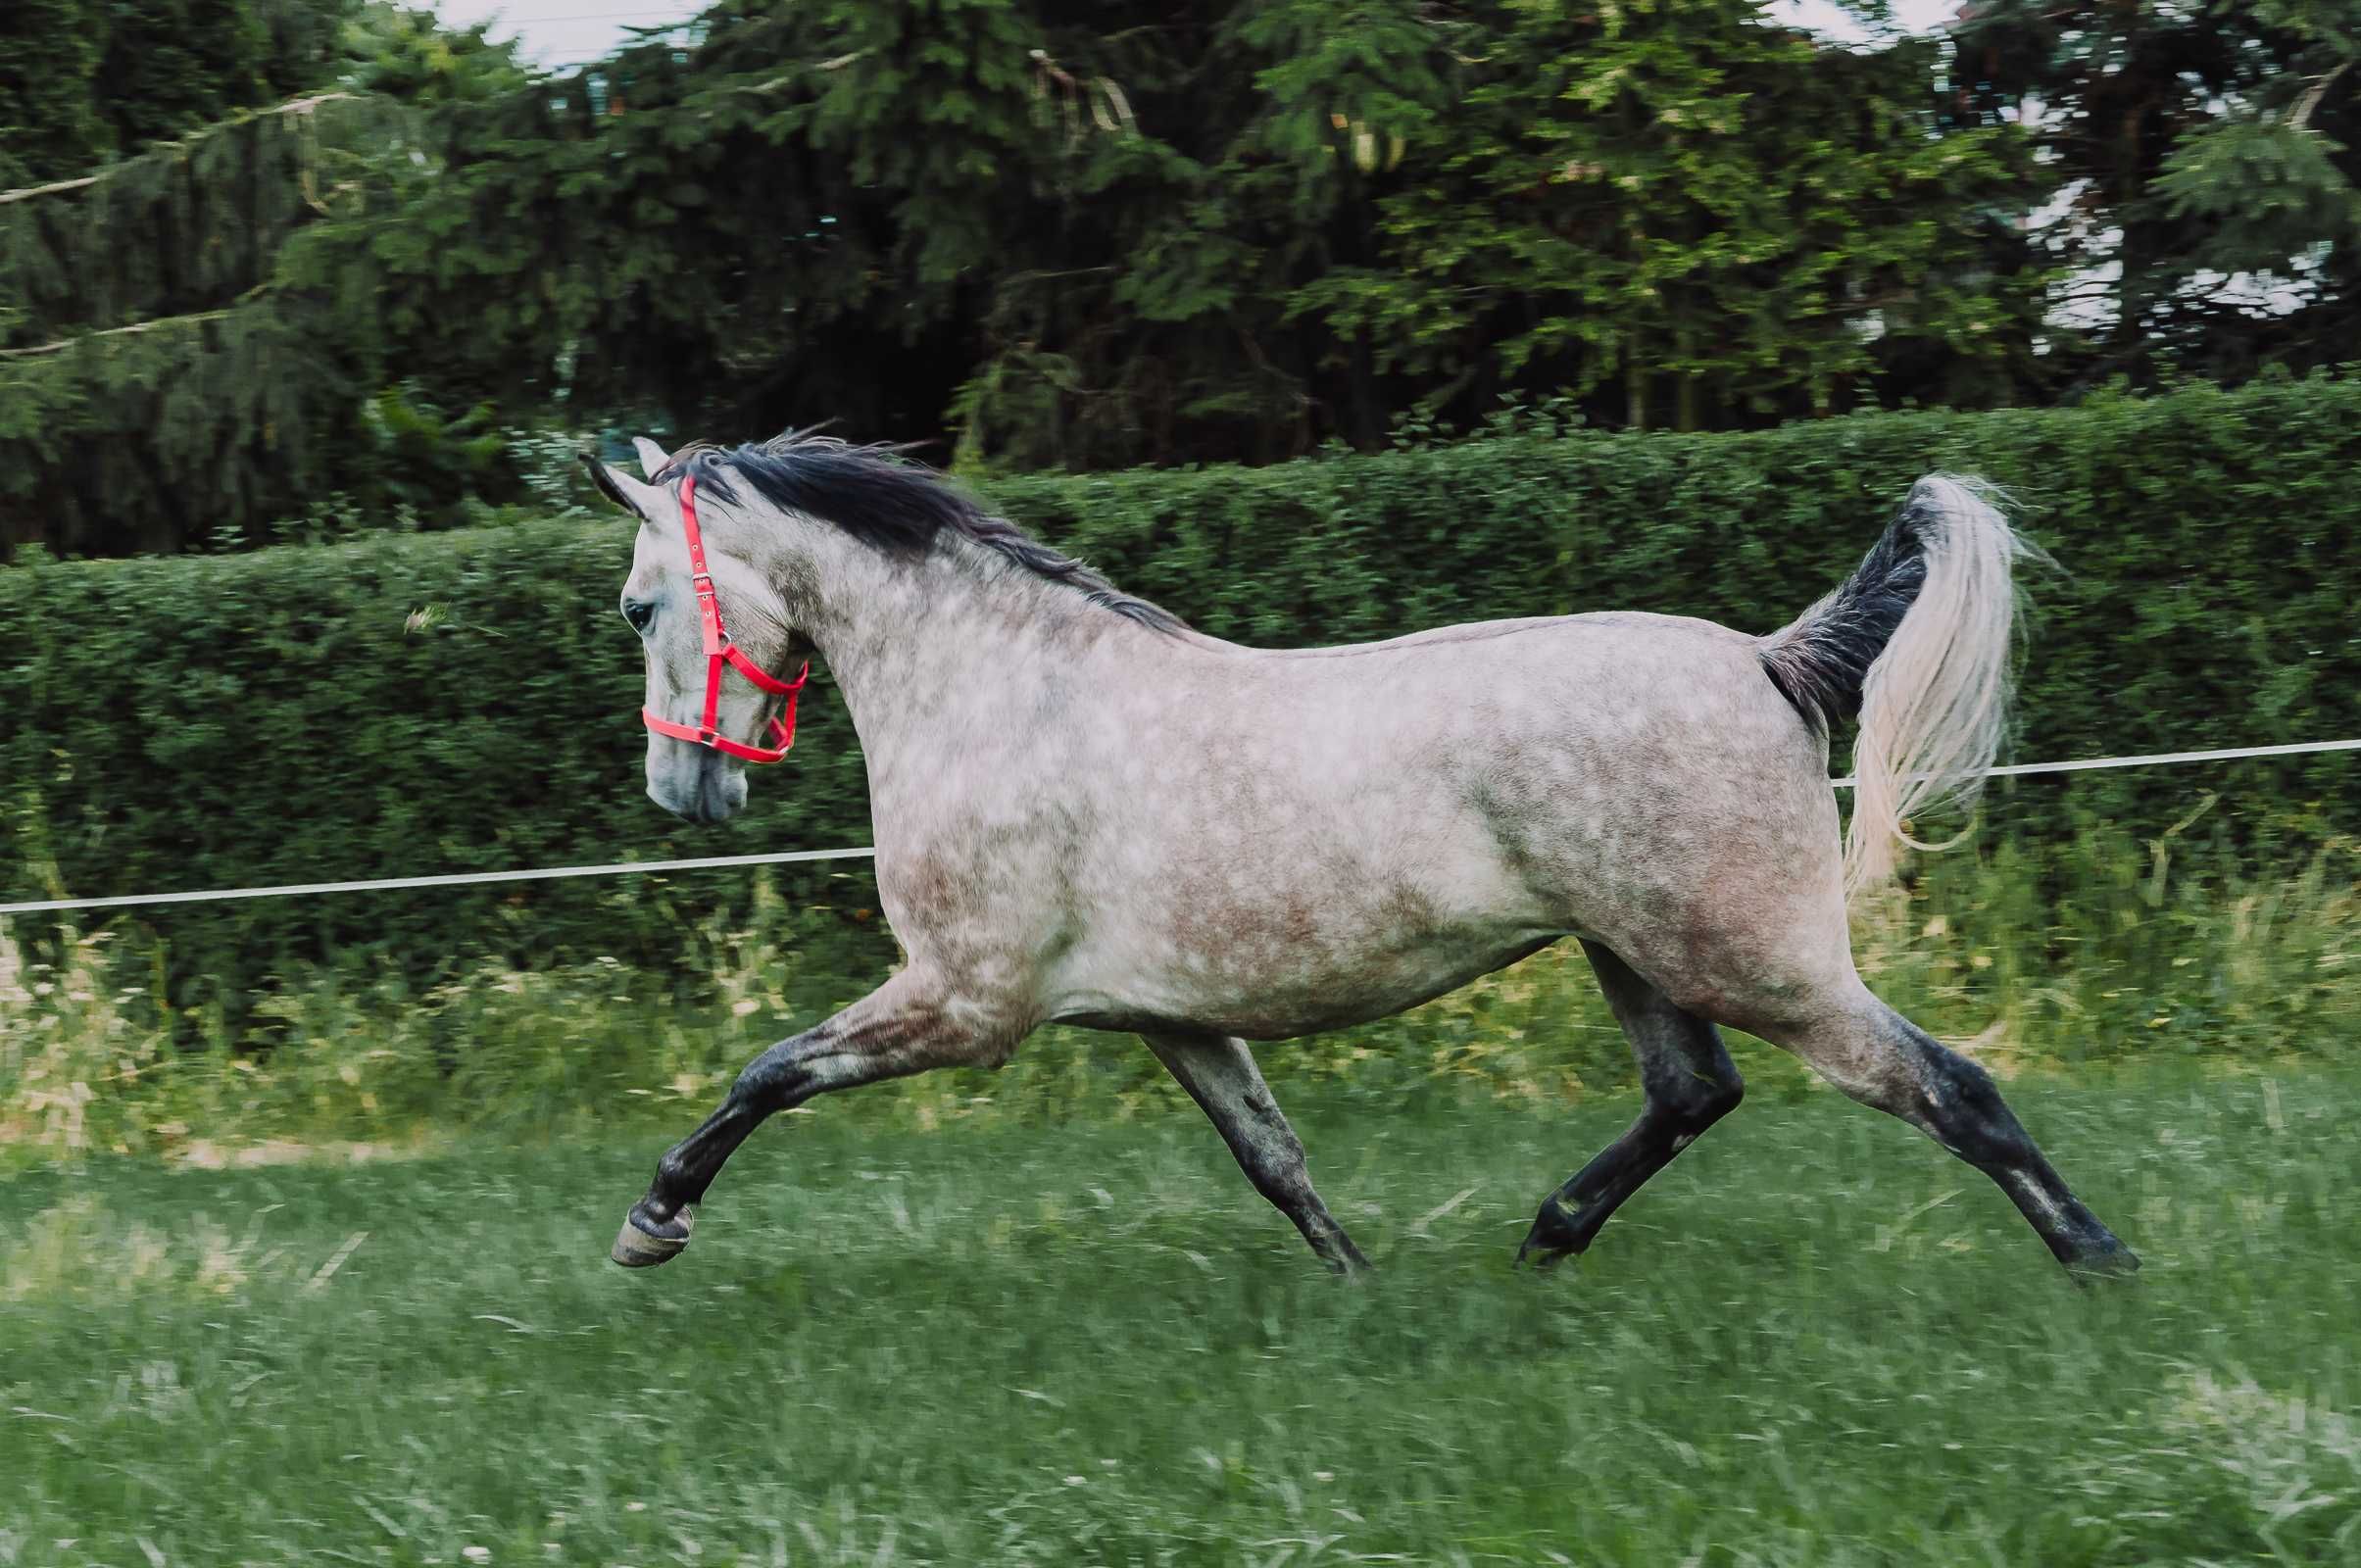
[[674, 1175], [1345, 1260]]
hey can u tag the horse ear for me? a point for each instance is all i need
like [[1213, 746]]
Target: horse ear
[[622, 489], [652, 459]]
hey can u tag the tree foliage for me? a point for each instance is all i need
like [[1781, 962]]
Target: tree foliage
[[2208, 160], [1715, 218], [1051, 234], [155, 381], [162, 378], [1124, 233], [83, 82]]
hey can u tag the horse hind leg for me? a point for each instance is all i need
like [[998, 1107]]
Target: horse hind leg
[[1883, 1060], [1691, 1084]]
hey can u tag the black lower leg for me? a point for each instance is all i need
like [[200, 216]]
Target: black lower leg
[[1272, 1157], [689, 1167], [1961, 1109], [1570, 1217], [1302, 1206], [1220, 1075], [1691, 1084], [903, 1027], [779, 1079]]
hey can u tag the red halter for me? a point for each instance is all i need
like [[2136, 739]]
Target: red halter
[[719, 651]]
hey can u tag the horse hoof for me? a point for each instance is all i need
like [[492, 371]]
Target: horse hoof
[[1551, 1240], [2116, 1262], [1540, 1256], [644, 1244]]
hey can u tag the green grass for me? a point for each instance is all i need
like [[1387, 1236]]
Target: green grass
[[1815, 1339]]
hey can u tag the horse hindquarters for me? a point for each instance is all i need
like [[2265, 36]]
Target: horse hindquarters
[[1916, 642]]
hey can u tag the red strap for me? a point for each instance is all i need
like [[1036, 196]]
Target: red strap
[[720, 651], [782, 729]]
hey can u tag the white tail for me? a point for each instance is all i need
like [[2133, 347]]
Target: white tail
[[1936, 700], [1917, 643]]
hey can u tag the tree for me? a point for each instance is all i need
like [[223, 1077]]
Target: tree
[[50, 118], [154, 382], [86, 81], [1107, 233], [1715, 217], [1084, 234], [2206, 167]]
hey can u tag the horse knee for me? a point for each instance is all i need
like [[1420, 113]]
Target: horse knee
[[1691, 1099], [1717, 1097], [765, 1079]]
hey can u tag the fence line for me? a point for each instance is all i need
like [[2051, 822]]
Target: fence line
[[453, 879], [2146, 760], [551, 874]]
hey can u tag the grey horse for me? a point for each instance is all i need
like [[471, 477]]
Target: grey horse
[[1088, 813]]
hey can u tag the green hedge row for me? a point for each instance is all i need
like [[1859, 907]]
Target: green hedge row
[[469, 701]]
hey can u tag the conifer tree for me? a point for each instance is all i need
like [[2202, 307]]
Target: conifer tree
[[1700, 213], [1086, 236], [2207, 163], [153, 383], [51, 122], [1125, 232]]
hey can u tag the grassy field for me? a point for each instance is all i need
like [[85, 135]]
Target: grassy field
[[1816, 1340]]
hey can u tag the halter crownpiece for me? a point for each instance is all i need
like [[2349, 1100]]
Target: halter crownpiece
[[720, 651]]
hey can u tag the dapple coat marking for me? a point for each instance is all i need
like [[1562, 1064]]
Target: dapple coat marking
[[1086, 812]]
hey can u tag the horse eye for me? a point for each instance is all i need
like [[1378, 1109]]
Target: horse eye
[[639, 612]]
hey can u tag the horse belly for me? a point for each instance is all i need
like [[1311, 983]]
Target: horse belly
[[1377, 990], [1312, 977]]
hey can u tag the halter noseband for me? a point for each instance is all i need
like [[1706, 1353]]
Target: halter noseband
[[720, 651]]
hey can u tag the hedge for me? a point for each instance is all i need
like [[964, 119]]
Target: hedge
[[415, 704]]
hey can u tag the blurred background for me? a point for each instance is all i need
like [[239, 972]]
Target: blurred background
[[278, 266], [1315, 320]]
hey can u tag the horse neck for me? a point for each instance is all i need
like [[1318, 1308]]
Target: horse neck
[[922, 646]]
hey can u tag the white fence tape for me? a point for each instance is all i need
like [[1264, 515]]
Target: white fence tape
[[2149, 759], [551, 874], [455, 879]]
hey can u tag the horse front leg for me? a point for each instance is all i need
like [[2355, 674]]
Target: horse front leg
[[912, 1024], [1220, 1075]]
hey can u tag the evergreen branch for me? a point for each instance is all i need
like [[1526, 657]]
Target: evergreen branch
[[52, 188], [294, 106], [2301, 120], [193, 319], [787, 77]]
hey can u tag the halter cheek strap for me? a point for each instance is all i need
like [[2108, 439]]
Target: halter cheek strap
[[720, 651]]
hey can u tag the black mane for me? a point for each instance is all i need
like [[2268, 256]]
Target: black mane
[[874, 494]]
